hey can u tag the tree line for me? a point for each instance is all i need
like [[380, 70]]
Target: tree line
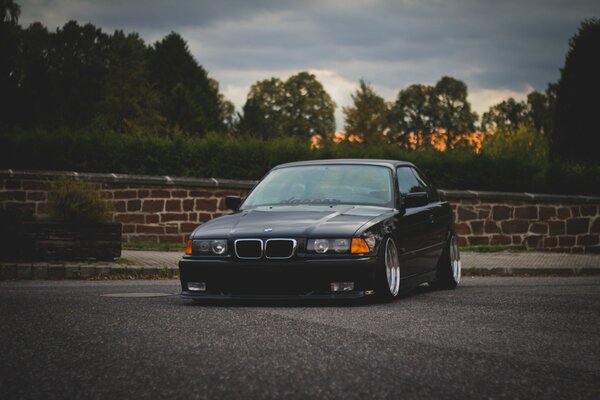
[[80, 77]]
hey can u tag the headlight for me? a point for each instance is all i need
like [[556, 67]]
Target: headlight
[[204, 246], [369, 238], [210, 247], [341, 245], [218, 246], [322, 246]]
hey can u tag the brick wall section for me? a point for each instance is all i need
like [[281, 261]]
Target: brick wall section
[[163, 209], [527, 221], [150, 208]]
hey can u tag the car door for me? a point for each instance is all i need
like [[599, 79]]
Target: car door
[[414, 225], [439, 218]]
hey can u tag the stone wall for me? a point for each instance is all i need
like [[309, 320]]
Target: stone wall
[[527, 221], [163, 209]]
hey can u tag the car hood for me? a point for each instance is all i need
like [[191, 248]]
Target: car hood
[[292, 221]]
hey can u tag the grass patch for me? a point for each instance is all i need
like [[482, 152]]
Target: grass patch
[[489, 248], [138, 273], [132, 276], [153, 246]]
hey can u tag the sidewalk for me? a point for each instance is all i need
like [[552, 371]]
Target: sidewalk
[[530, 263], [163, 264]]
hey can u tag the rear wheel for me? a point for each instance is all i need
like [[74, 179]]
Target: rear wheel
[[449, 266], [388, 273]]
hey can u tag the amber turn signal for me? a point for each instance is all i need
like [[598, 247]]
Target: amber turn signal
[[188, 247], [359, 246]]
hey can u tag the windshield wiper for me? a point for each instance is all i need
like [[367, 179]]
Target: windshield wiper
[[294, 201]]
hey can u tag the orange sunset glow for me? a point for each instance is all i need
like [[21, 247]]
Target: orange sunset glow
[[438, 140]]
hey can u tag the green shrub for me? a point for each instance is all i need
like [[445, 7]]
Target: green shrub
[[507, 163], [524, 150], [75, 201], [570, 177]]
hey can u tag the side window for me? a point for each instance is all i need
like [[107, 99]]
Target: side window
[[408, 182], [433, 194]]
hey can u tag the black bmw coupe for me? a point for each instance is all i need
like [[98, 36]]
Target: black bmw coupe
[[326, 229]]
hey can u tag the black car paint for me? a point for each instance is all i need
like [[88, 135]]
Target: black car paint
[[419, 233], [291, 221]]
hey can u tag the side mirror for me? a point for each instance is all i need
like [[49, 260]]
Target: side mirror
[[413, 200], [233, 202]]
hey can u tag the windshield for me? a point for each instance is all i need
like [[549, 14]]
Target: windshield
[[324, 184]]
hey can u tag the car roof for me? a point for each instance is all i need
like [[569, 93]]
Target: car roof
[[353, 161]]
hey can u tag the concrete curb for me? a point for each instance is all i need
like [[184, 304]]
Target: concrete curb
[[144, 264], [530, 271], [44, 271]]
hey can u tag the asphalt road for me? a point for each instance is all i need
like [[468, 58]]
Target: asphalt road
[[491, 338]]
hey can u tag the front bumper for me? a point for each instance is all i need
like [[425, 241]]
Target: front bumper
[[287, 279]]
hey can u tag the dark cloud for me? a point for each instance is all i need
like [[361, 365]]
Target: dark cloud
[[151, 14]]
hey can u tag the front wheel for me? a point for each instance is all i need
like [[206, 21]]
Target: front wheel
[[448, 268], [388, 272]]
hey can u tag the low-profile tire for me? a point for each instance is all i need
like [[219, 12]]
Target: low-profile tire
[[448, 268], [388, 271]]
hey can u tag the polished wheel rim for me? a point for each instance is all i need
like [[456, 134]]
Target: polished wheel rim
[[455, 259], [392, 267]]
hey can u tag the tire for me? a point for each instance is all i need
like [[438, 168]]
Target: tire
[[448, 268], [388, 272]]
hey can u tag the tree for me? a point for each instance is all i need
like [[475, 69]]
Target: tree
[[537, 112], [36, 99], [9, 37], [129, 103], [299, 106], [451, 110], [189, 99], [263, 113], [541, 108], [424, 110], [505, 115], [368, 117], [78, 67], [577, 135], [226, 107], [308, 109], [9, 12], [413, 112]]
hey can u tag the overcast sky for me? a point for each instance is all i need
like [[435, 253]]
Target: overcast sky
[[500, 48]]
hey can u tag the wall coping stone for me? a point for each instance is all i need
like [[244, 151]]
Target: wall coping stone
[[131, 179], [249, 184], [530, 197]]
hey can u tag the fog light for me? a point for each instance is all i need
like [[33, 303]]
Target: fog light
[[196, 286], [342, 286]]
